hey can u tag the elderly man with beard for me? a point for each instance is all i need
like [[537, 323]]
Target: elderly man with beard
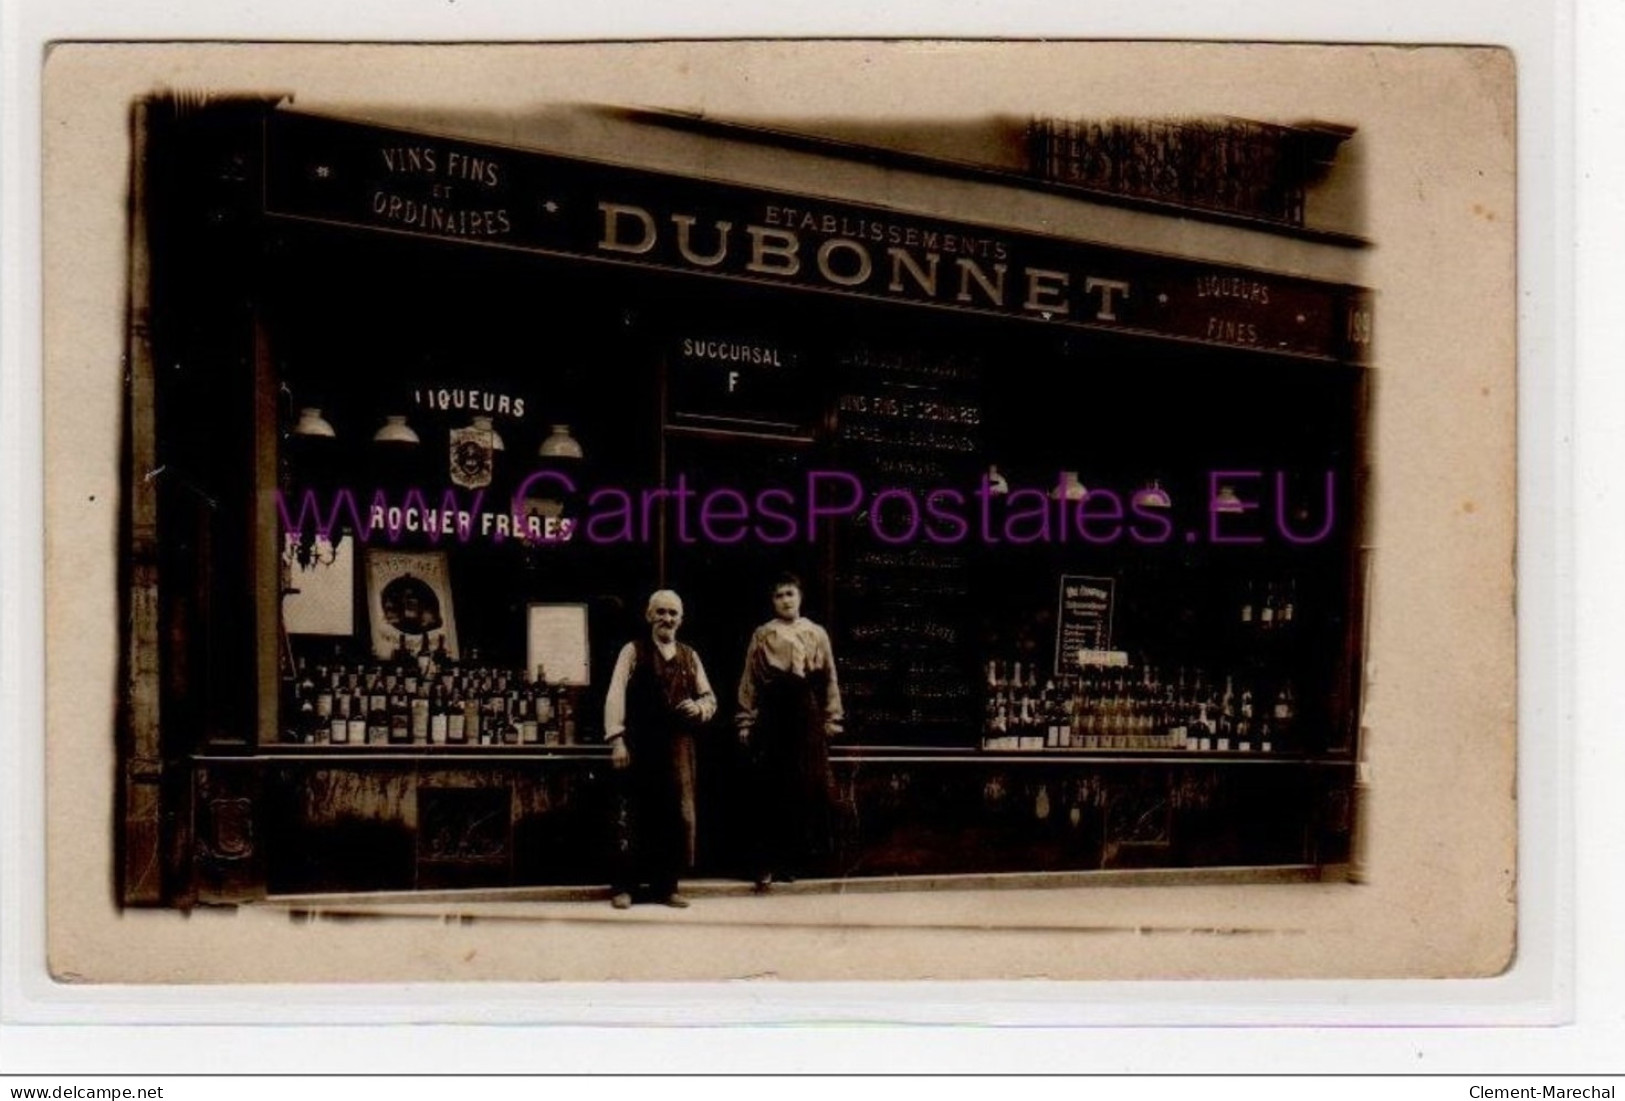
[[658, 697]]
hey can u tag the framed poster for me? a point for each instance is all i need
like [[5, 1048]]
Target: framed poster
[[319, 595], [409, 602], [556, 640]]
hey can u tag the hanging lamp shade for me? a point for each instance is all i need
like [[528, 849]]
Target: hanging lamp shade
[[1071, 488], [561, 445], [312, 423], [395, 430], [484, 424], [1153, 496]]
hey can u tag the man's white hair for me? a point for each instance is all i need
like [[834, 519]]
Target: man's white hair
[[659, 595]]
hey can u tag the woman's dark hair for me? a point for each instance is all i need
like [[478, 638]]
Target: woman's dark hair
[[788, 578]]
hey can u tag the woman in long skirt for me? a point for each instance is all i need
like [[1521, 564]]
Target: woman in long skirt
[[789, 708]]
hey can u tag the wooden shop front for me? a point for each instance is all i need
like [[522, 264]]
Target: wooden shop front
[[434, 416]]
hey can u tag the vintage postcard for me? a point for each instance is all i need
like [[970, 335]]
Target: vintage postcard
[[801, 509]]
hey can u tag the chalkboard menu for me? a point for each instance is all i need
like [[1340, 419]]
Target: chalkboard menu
[[1083, 619], [908, 424]]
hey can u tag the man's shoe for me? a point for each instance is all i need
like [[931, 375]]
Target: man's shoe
[[621, 901], [676, 901]]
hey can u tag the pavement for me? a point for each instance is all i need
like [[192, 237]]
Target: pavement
[[1131, 924], [794, 897], [1214, 923]]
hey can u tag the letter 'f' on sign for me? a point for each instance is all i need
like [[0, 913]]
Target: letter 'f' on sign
[[733, 381]]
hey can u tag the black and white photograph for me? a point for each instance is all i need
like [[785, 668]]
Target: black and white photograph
[[813, 510]]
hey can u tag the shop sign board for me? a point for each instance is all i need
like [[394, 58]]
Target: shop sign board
[[735, 381], [351, 174]]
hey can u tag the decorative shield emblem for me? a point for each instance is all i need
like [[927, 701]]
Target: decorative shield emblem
[[471, 451]]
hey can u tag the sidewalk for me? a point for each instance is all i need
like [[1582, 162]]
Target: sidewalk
[[1108, 901], [890, 884], [1216, 923]]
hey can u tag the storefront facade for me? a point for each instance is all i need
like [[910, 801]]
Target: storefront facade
[[438, 412]]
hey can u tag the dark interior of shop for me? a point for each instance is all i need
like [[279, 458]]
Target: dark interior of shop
[[365, 326]]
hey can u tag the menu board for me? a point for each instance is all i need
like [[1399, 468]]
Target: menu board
[[908, 422], [1083, 619]]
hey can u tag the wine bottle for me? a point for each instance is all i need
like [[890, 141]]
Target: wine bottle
[[377, 719], [457, 721], [567, 719], [324, 699], [529, 732], [420, 716], [1285, 711], [356, 724], [437, 717], [1226, 717], [400, 720]]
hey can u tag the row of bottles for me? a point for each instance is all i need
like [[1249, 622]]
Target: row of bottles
[[1271, 606], [408, 704], [1135, 708]]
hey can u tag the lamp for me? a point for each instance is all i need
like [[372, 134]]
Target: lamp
[[561, 445], [484, 423], [1227, 501], [395, 430], [1070, 488], [1153, 496], [312, 423]]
